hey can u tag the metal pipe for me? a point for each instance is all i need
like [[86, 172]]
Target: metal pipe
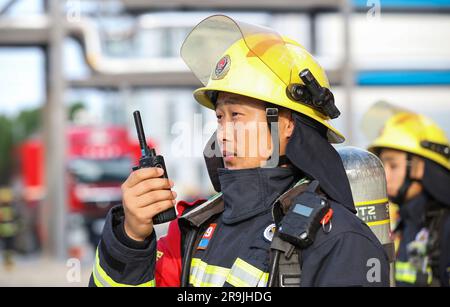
[[347, 71], [55, 204]]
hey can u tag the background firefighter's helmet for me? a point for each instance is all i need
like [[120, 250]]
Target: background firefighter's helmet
[[367, 179], [411, 132], [253, 61]]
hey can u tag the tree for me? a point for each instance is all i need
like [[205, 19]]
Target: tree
[[14, 131], [6, 148], [74, 108]]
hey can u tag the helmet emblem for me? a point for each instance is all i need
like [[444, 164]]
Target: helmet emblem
[[222, 67]]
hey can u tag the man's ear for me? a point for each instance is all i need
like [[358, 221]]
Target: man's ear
[[288, 124]]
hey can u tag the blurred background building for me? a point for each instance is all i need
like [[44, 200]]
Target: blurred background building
[[72, 72]]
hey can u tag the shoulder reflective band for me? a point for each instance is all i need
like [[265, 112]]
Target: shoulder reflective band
[[244, 274], [407, 273], [101, 279], [205, 275]]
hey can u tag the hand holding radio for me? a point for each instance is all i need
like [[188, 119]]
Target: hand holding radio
[[147, 198]]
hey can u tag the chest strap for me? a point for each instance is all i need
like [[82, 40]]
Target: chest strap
[[285, 270]]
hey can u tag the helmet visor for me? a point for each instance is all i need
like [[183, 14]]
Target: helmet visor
[[209, 40], [376, 117]]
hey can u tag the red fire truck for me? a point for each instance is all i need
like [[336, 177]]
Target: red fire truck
[[98, 161]]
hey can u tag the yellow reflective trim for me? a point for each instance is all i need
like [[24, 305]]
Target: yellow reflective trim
[[376, 223], [405, 272], [110, 282], [96, 281], [382, 201], [198, 283], [237, 282], [255, 273], [264, 279], [405, 277], [208, 268], [248, 268], [206, 275], [400, 265], [201, 270]]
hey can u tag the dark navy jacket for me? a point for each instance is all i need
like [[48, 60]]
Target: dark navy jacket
[[221, 250], [413, 221]]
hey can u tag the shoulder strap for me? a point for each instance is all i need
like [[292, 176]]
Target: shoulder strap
[[200, 214], [282, 204], [286, 264], [192, 221], [285, 258]]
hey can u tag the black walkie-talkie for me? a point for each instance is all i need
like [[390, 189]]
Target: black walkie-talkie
[[149, 158]]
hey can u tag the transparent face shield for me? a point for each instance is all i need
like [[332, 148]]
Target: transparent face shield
[[209, 40], [376, 117]]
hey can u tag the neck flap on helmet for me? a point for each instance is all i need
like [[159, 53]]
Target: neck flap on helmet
[[309, 151], [436, 181], [213, 160]]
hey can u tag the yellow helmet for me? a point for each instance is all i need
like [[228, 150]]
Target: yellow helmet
[[416, 134], [235, 57]]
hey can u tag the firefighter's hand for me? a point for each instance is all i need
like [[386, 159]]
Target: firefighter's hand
[[144, 196]]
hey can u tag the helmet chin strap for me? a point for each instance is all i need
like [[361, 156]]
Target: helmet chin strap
[[272, 121], [400, 198]]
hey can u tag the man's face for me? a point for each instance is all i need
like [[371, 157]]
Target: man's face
[[395, 163], [243, 133]]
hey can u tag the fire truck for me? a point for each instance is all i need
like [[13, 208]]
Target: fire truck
[[98, 161]]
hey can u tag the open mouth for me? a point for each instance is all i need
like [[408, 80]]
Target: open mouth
[[228, 154]]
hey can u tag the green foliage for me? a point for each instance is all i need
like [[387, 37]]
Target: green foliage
[[74, 108], [13, 131], [16, 130], [6, 146]]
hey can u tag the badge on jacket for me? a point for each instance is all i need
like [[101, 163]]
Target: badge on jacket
[[207, 237], [268, 232]]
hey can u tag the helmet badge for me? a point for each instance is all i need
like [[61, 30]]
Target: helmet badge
[[222, 68]]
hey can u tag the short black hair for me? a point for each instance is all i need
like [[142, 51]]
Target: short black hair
[[214, 95]]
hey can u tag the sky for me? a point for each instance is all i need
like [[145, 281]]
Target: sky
[[21, 69], [22, 83]]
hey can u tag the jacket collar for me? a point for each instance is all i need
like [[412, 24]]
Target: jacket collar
[[250, 192], [413, 211]]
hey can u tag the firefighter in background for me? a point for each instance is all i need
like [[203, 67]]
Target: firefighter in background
[[8, 226], [416, 156], [284, 214]]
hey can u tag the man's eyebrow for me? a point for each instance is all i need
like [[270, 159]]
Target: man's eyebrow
[[230, 100]]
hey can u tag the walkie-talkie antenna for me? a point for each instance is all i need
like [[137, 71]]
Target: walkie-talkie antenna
[[140, 133], [149, 158]]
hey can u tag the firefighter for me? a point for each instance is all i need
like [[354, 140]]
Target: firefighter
[[416, 156], [283, 214], [8, 226]]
